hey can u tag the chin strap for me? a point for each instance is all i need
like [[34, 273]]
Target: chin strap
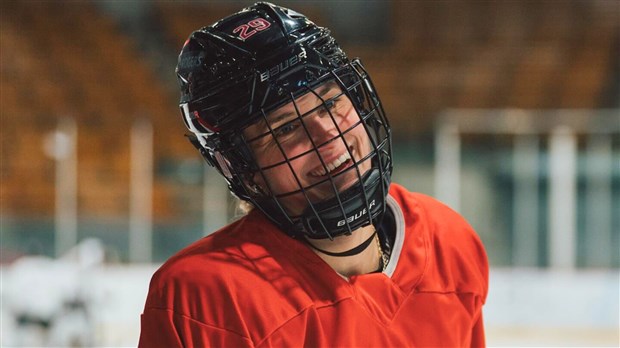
[[358, 249]]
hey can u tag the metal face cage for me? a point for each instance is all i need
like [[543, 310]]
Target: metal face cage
[[344, 194]]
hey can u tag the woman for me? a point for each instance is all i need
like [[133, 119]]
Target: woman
[[332, 253]]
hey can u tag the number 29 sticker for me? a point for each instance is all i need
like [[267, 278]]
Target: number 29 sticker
[[249, 29]]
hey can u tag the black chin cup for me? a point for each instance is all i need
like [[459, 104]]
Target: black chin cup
[[358, 206]]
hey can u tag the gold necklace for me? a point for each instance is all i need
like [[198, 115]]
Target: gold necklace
[[383, 259]]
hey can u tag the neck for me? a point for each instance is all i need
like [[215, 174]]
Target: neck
[[366, 261]]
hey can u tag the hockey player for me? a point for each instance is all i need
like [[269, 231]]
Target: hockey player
[[332, 253]]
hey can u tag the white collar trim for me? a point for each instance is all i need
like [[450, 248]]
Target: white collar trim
[[399, 239]]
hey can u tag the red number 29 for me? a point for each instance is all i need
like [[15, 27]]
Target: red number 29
[[256, 25]]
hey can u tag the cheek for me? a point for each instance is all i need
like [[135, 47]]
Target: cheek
[[269, 156], [280, 178], [361, 137], [351, 124], [272, 155]]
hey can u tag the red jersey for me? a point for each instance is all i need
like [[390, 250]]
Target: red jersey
[[250, 285]]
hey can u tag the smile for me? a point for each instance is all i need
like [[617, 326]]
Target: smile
[[339, 162]]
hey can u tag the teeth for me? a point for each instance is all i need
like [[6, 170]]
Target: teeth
[[331, 166]]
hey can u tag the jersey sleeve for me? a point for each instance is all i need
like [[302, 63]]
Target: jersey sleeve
[[164, 328]]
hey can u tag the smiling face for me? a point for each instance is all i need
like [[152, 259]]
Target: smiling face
[[316, 151]]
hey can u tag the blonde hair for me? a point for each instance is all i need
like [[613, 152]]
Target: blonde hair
[[244, 207], [241, 208]]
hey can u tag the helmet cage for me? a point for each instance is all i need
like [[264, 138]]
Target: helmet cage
[[359, 205]]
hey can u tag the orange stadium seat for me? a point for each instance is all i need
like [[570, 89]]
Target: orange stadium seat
[[75, 61]]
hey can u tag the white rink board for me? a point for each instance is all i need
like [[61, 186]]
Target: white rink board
[[115, 297], [541, 308]]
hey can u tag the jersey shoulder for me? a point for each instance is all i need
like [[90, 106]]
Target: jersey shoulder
[[226, 279], [456, 257]]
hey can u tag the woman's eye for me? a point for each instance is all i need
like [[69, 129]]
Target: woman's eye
[[328, 106], [286, 129]]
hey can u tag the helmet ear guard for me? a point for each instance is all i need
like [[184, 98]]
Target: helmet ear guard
[[208, 157], [233, 165]]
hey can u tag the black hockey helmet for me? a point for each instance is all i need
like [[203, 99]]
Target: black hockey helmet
[[234, 72]]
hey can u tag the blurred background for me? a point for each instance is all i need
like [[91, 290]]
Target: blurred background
[[508, 111]]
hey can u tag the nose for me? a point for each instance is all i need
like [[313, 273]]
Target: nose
[[321, 126]]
